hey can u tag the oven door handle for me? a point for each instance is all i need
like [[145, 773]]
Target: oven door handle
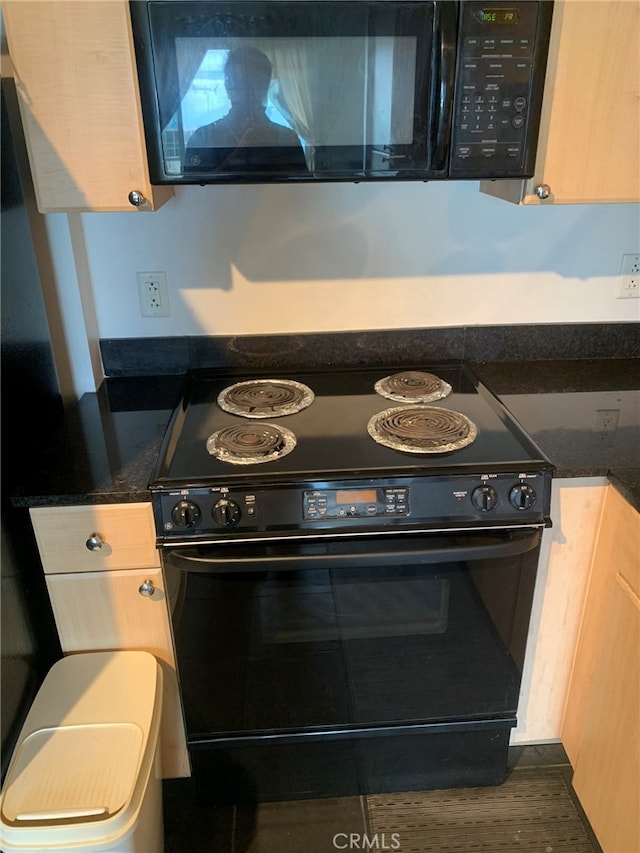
[[353, 555]]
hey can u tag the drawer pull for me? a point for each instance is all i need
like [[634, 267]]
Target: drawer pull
[[147, 588], [94, 542]]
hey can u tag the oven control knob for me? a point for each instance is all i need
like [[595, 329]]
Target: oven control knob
[[226, 512], [522, 496], [185, 514], [484, 498]]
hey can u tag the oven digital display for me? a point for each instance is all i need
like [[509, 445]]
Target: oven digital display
[[355, 503], [497, 16], [356, 497]]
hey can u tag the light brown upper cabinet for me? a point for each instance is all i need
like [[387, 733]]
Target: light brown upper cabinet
[[77, 85], [589, 149]]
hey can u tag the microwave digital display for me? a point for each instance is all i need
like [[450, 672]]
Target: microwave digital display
[[498, 16]]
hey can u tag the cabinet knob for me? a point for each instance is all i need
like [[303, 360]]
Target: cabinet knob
[[136, 198], [543, 191], [147, 588], [94, 542]]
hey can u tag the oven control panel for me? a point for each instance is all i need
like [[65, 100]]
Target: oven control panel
[[460, 501], [322, 504]]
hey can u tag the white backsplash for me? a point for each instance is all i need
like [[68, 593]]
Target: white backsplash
[[331, 257], [260, 259]]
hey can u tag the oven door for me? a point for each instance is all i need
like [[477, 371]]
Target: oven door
[[350, 635]]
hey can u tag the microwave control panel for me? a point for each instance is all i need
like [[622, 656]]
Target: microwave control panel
[[499, 81]]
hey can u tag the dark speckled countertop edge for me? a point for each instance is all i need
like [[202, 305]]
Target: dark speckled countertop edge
[[627, 482]]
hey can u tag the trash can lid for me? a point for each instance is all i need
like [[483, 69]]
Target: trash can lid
[[73, 774]]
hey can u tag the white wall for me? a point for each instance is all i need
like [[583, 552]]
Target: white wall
[[271, 259]]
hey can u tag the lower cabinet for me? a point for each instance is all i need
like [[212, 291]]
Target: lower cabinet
[[124, 610], [563, 576], [601, 730], [112, 608]]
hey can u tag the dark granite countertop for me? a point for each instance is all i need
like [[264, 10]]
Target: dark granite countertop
[[105, 450], [107, 447], [564, 406]]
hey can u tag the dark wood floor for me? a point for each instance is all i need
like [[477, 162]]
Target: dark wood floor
[[534, 812]]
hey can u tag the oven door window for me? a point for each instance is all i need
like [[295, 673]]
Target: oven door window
[[344, 647]]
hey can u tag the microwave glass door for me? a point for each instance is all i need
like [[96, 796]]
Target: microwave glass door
[[288, 90]]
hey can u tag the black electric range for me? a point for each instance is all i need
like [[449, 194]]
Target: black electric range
[[350, 561]]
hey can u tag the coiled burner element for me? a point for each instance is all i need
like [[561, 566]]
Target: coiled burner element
[[249, 444], [422, 429], [265, 398], [413, 386]]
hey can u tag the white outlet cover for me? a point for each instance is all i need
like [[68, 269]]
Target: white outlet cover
[[629, 281], [153, 294]]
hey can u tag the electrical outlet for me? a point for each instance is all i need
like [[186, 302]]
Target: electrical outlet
[[629, 283], [607, 420], [153, 292]]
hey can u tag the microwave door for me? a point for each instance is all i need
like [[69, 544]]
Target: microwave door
[[287, 91]]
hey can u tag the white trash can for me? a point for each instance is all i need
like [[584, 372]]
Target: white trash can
[[85, 772]]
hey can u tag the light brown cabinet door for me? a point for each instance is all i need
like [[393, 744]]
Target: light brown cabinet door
[[589, 148], [109, 610], [77, 85], [601, 729], [607, 772]]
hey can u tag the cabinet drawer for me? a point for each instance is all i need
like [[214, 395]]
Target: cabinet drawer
[[121, 536], [106, 610]]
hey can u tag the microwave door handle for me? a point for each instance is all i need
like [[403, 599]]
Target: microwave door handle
[[445, 72]]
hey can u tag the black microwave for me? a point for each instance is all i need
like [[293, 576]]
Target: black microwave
[[260, 91]]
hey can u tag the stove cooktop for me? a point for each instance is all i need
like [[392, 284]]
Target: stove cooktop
[[332, 470], [331, 432]]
